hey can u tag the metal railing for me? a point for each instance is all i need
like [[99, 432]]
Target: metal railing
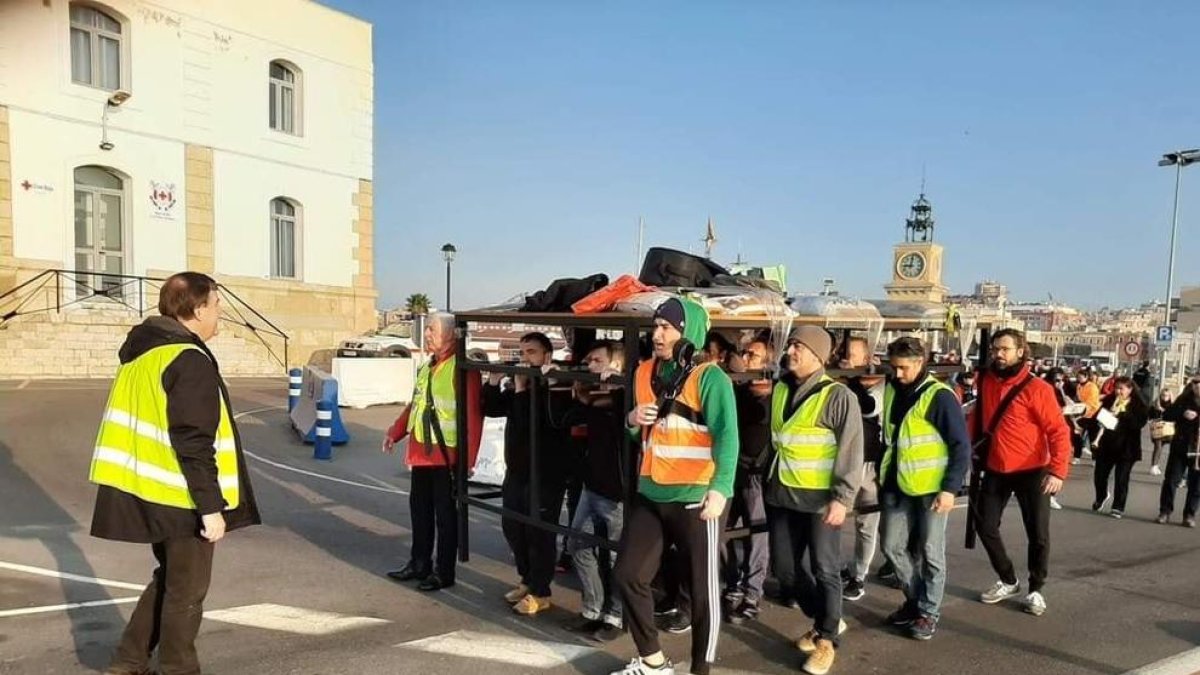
[[56, 290]]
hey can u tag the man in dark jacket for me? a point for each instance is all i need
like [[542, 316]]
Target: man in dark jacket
[[1182, 460], [169, 464], [744, 575], [535, 549], [926, 461]]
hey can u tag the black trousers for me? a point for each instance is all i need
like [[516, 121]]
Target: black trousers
[[745, 574], [1104, 468], [996, 490], [535, 549], [793, 535], [434, 512], [1179, 468], [168, 614], [651, 527]]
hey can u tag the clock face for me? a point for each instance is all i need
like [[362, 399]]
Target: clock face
[[911, 266]]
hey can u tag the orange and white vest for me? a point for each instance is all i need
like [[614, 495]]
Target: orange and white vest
[[677, 449]]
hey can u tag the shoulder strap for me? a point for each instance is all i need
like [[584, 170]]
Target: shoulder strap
[[1004, 403]]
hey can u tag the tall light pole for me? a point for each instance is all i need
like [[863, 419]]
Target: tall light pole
[[448, 252], [1178, 159]]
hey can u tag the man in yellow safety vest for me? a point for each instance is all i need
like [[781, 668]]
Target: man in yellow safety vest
[[168, 460], [817, 431], [927, 455]]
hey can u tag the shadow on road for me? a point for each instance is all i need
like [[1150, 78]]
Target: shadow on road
[[330, 515], [45, 521]]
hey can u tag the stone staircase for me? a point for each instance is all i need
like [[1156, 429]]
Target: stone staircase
[[82, 341]]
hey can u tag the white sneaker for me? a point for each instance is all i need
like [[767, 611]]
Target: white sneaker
[[1155, 471], [639, 667], [1106, 505], [1075, 461], [1035, 604], [999, 592], [1054, 503]]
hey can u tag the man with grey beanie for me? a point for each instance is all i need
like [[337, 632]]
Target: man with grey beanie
[[816, 428]]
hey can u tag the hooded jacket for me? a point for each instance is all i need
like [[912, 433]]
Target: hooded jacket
[[719, 408], [194, 398]]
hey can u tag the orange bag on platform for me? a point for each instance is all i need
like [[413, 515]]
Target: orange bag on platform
[[606, 298]]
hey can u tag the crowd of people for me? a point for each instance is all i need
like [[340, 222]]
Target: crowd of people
[[781, 452], [1108, 417], [789, 456]]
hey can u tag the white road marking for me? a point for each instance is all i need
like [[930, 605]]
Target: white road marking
[[42, 571], [501, 648], [292, 619], [23, 384], [1185, 663], [314, 474], [58, 608]]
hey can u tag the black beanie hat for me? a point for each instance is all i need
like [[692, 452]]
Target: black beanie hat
[[672, 312]]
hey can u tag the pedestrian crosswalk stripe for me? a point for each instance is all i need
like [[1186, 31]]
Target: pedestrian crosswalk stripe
[[291, 619], [510, 649]]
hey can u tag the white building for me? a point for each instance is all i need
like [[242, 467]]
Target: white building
[[223, 136]]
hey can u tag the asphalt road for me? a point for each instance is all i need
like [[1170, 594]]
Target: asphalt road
[[304, 594]]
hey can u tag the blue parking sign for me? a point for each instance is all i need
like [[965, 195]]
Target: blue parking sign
[[1164, 335]]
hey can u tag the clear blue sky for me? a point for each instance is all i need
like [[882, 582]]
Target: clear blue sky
[[533, 134]]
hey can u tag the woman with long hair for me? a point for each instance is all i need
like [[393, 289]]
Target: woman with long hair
[[1120, 446], [1156, 413]]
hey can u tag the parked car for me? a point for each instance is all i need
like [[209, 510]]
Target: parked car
[[393, 341]]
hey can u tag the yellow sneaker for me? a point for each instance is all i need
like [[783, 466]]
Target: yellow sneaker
[[821, 660], [531, 604], [514, 596], [807, 643]]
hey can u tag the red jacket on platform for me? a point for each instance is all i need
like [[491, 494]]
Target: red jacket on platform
[[1033, 433], [421, 455]]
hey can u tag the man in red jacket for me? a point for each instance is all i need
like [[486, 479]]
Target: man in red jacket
[[1028, 456], [430, 422]]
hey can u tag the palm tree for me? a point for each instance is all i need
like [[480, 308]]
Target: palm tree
[[417, 303]]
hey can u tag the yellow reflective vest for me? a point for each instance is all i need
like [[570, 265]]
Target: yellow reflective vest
[[133, 448], [923, 453], [444, 403], [806, 451]]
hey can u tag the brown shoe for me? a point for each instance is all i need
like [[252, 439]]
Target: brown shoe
[[514, 596], [531, 604], [807, 643], [820, 661]]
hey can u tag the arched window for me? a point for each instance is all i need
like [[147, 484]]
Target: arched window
[[99, 226], [97, 47], [285, 238], [284, 101]]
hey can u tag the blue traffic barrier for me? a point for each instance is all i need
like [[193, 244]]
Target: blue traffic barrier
[[318, 385], [323, 447], [295, 379]]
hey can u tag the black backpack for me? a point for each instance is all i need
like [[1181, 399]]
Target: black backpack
[[562, 293], [668, 267]]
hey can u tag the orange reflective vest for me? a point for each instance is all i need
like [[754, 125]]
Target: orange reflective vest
[[677, 449]]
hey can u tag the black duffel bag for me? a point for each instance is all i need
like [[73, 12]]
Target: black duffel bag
[[668, 267], [562, 293]]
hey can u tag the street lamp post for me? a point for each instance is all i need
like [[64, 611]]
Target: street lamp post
[[1178, 159], [448, 252]]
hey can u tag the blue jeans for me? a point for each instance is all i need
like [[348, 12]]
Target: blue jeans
[[922, 575], [606, 519]]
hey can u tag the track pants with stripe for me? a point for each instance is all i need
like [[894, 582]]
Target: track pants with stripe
[[651, 527]]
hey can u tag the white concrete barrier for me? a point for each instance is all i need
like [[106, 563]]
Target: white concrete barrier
[[373, 381]]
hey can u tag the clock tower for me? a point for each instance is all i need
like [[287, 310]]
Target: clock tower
[[917, 263]]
